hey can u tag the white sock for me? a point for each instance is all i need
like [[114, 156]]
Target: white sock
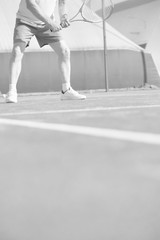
[[65, 86], [12, 87]]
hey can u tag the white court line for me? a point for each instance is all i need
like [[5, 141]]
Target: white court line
[[79, 110], [138, 137]]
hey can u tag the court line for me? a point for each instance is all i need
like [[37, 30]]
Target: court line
[[79, 110], [122, 135]]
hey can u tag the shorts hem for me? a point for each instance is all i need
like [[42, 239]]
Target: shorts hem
[[20, 41], [48, 43]]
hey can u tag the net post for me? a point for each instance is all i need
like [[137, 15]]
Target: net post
[[105, 48]]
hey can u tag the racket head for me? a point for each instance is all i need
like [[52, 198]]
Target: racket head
[[89, 10], [108, 8], [98, 5], [75, 8]]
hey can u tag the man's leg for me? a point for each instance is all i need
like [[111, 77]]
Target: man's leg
[[15, 70], [63, 53]]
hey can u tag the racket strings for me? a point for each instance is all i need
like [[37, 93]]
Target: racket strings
[[90, 10], [90, 15], [108, 11], [73, 8], [96, 6]]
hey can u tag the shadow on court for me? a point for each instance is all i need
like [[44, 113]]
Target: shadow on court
[[64, 175]]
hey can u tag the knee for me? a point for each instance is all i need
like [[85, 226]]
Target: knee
[[65, 53], [17, 53]]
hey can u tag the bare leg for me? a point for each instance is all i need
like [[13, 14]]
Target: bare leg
[[14, 71], [63, 53], [16, 64]]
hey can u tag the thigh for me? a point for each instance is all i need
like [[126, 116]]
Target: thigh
[[46, 37], [22, 33], [18, 50], [60, 47]]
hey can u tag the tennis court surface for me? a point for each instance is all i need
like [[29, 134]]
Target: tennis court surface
[[81, 170]]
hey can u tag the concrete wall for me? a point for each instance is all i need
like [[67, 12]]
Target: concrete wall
[[40, 70]]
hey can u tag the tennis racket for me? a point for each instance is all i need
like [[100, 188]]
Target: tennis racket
[[89, 10]]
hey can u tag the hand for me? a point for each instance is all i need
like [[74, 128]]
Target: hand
[[64, 21], [54, 26]]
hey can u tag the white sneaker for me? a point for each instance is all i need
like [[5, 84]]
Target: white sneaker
[[11, 97], [71, 94]]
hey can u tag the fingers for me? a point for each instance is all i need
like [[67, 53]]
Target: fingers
[[64, 21], [56, 28], [64, 24]]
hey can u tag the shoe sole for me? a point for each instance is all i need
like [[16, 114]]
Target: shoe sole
[[7, 100], [63, 99]]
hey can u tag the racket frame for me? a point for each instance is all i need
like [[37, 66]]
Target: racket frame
[[83, 19]]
